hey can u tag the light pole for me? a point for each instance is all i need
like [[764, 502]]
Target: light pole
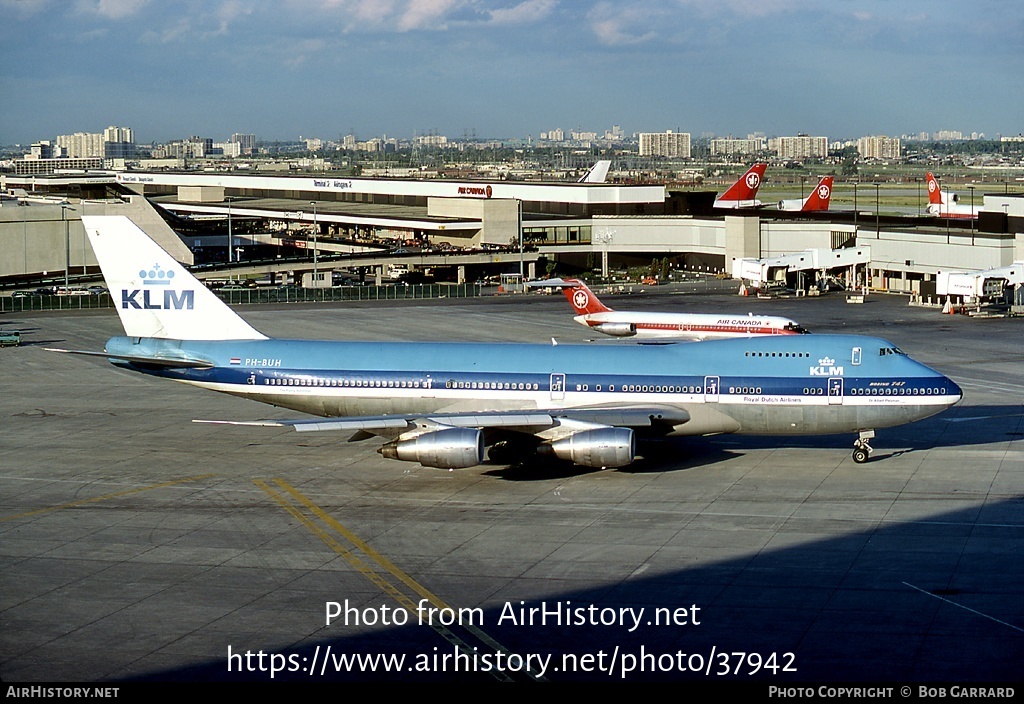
[[973, 214], [522, 277], [67, 247], [85, 269], [231, 240], [854, 208], [24, 233], [316, 283], [877, 234]]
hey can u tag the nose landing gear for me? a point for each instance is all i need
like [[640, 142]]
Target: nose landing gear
[[861, 450]]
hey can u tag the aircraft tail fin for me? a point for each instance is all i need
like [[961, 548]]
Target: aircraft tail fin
[[597, 173], [820, 196], [934, 192], [154, 294], [746, 185], [582, 299]]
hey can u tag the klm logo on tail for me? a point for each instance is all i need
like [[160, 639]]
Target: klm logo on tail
[[171, 300]]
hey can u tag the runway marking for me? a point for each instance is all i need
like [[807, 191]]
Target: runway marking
[[989, 385], [374, 575], [972, 418], [965, 608], [127, 492]]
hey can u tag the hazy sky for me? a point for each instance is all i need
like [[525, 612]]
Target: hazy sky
[[279, 69]]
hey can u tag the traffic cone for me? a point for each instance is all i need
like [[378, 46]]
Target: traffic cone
[[948, 308], [743, 290]]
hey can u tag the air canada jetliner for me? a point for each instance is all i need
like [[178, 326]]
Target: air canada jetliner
[[743, 193], [678, 326], [816, 201], [441, 403], [945, 204]]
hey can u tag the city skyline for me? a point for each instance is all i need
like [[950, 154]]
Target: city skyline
[[508, 69]]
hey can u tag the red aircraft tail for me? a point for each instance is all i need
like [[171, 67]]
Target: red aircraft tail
[[582, 299], [746, 186], [934, 192], [820, 196]]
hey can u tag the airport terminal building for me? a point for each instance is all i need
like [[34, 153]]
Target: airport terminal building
[[597, 224], [468, 213]]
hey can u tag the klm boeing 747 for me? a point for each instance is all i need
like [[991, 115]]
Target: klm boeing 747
[[442, 404]]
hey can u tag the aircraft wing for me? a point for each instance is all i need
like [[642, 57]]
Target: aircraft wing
[[518, 421]]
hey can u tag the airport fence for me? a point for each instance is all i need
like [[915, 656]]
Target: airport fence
[[284, 294]]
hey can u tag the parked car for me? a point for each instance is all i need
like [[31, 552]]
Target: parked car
[[10, 338]]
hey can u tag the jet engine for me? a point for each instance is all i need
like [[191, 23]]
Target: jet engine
[[602, 447], [617, 329], [451, 448]]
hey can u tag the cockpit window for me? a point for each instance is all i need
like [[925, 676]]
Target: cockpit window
[[883, 351]]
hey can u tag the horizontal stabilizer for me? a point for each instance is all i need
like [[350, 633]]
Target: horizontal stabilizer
[[167, 362], [553, 283]]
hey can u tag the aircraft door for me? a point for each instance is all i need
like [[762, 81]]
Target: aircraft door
[[711, 389], [835, 391], [557, 387]]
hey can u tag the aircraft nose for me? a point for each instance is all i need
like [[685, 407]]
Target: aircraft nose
[[953, 391]]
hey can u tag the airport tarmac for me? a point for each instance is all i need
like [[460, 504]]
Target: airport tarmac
[[137, 545]]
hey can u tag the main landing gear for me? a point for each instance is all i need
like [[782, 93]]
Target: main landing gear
[[861, 450]]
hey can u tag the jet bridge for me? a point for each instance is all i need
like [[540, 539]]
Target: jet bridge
[[775, 273], [1003, 285]]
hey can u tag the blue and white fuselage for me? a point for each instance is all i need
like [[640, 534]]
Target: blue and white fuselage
[[773, 385], [442, 404]]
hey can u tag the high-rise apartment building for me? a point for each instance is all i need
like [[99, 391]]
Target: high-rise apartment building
[[878, 147], [727, 146], [81, 145], [670, 144], [112, 143], [118, 143], [246, 142], [800, 147]]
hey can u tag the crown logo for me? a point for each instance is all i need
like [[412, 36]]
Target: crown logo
[[826, 361], [157, 276]]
